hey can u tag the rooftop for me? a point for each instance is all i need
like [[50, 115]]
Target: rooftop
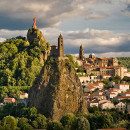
[[8, 98], [105, 58], [53, 46], [125, 97], [122, 84]]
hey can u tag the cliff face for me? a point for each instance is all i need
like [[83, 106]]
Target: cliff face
[[57, 90]]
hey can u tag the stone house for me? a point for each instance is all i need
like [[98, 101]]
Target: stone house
[[100, 84], [117, 90], [98, 93], [23, 95], [90, 87], [98, 97], [111, 83], [119, 98], [84, 79], [93, 103], [111, 95], [9, 100], [103, 101], [121, 106], [126, 93], [123, 87], [1, 105], [106, 105]]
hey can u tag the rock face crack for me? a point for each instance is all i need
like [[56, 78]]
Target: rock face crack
[[60, 90]]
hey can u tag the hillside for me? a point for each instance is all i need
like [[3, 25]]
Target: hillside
[[125, 62], [21, 61]]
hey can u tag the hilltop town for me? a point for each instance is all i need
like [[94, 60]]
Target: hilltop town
[[60, 83]]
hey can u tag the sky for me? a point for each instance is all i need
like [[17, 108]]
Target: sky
[[101, 26]]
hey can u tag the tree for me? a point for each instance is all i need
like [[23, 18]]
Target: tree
[[9, 122], [107, 120], [40, 121], [54, 125], [80, 70], [20, 62], [92, 74], [73, 63], [93, 109], [81, 123], [67, 120], [32, 112], [35, 124], [23, 124], [99, 120], [27, 126]]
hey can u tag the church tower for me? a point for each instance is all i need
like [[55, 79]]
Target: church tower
[[81, 53], [60, 46]]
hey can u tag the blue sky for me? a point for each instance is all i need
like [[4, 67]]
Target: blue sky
[[102, 26]]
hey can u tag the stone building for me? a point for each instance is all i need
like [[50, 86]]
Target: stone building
[[103, 67], [101, 72], [58, 51], [81, 53], [105, 62], [92, 56]]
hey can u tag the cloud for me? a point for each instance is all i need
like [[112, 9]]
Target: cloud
[[96, 41], [5, 33], [108, 54], [18, 14], [127, 10], [2, 39]]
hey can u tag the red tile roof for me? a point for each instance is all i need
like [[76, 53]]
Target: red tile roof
[[105, 58], [127, 92], [125, 97], [8, 98], [90, 87]]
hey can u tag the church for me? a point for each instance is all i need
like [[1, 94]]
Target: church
[[58, 51]]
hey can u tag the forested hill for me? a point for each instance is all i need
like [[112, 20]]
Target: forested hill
[[20, 62], [125, 62]]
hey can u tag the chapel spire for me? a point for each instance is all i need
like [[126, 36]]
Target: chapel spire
[[81, 53]]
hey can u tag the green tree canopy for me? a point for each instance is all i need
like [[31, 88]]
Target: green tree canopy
[[67, 120], [55, 125], [81, 123], [9, 122]]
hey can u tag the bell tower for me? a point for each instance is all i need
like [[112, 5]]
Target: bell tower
[[81, 53], [60, 46]]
